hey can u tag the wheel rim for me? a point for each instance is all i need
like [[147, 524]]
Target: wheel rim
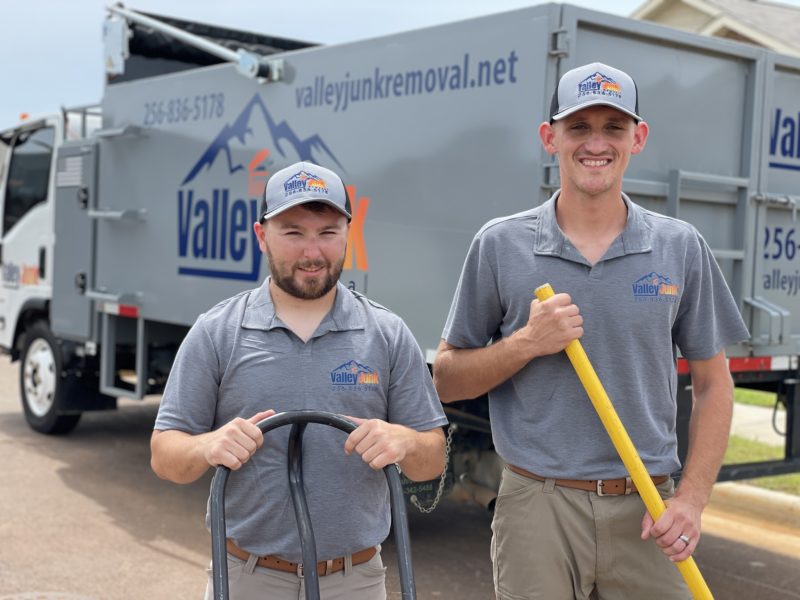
[[39, 377]]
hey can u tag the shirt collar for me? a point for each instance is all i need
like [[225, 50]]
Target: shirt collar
[[636, 237], [345, 315]]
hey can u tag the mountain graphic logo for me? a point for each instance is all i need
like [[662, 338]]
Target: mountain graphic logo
[[599, 84], [312, 149], [655, 285], [303, 181], [353, 373]]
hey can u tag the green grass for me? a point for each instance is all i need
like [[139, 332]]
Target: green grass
[[742, 450], [755, 398]]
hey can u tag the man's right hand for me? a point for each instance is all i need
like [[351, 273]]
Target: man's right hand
[[233, 444], [551, 325], [463, 373]]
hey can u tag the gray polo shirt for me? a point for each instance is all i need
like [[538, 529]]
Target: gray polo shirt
[[656, 290], [362, 361]]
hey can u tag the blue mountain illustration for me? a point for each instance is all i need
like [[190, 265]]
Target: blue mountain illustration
[[306, 149], [653, 278], [593, 78], [354, 366]]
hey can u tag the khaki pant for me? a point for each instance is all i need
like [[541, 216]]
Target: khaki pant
[[246, 581], [558, 543]]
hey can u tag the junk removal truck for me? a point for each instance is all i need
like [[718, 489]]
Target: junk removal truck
[[123, 222]]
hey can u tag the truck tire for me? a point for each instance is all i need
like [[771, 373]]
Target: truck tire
[[42, 385]]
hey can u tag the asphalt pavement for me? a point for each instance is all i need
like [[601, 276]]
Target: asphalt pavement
[[84, 518]]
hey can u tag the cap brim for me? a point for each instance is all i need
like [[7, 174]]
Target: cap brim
[[596, 102], [299, 201]]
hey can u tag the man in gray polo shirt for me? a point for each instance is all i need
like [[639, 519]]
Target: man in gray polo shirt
[[636, 287], [301, 341]]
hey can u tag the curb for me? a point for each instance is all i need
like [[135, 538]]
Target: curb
[[750, 501]]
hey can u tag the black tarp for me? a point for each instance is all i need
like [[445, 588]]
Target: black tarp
[[154, 53]]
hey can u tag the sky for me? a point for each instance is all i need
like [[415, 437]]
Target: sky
[[51, 52]]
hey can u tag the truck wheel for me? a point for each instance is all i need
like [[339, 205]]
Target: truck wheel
[[42, 385]]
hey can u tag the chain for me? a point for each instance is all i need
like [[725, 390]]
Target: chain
[[413, 499]]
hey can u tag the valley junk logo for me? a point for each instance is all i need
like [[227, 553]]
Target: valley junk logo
[[654, 287], [599, 85], [304, 182], [353, 375], [14, 275], [216, 212]]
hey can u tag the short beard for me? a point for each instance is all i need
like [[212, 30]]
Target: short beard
[[315, 290]]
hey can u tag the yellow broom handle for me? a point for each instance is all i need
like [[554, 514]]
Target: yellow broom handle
[[625, 448]]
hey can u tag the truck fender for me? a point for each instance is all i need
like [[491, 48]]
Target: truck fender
[[34, 309]]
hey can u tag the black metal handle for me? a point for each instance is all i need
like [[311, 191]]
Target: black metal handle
[[42, 262], [299, 419]]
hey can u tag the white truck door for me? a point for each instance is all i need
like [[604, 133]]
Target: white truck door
[[26, 236]]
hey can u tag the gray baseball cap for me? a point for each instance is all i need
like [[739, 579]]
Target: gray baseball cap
[[300, 183], [592, 85]]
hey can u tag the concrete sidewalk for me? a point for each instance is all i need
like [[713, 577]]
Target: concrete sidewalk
[[754, 516], [744, 512], [755, 423]]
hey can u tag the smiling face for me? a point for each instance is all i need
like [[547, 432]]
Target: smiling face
[[305, 249], [594, 146]]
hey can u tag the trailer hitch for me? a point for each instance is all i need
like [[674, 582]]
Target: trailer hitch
[[298, 419]]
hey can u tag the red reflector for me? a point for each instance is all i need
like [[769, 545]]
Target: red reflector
[[753, 363], [126, 310], [735, 365]]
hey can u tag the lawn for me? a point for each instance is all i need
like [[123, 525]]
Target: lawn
[[755, 398], [742, 450]]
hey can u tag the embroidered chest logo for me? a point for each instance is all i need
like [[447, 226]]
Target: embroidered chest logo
[[655, 287], [353, 375]]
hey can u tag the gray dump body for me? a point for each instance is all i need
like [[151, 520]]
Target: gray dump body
[[436, 130]]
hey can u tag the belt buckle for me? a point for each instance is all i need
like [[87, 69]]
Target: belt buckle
[[599, 487], [626, 492], [328, 568]]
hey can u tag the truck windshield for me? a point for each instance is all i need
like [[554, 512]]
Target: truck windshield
[[28, 174]]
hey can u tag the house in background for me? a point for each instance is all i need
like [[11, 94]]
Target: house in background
[[766, 24]]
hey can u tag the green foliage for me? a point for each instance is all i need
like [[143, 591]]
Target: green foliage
[[755, 398]]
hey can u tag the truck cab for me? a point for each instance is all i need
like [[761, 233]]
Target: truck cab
[[28, 154], [26, 191]]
